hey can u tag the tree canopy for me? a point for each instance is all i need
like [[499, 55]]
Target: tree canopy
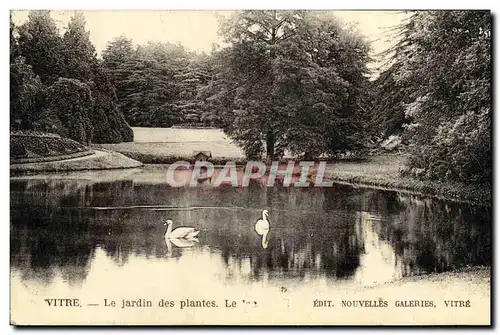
[[157, 83], [43, 62], [290, 81], [285, 83], [440, 81]]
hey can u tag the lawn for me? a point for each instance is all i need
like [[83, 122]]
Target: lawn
[[383, 172], [167, 145]]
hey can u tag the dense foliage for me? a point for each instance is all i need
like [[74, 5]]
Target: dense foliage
[[290, 81], [440, 82], [28, 145], [285, 82], [58, 84], [70, 116], [388, 102], [157, 83]]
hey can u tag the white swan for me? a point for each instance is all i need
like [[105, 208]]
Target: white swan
[[262, 228], [187, 233], [262, 225]]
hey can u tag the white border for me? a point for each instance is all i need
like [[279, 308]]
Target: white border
[[195, 4], [255, 4]]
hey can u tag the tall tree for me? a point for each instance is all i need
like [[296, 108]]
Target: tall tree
[[443, 60], [13, 33], [26, 89], [108, 124], [389, 97], [77, 50], [40, 58], [40, 43], [117, 58], [117, 51], [26, 94], [292, 80], [150, 81], [188, 83]]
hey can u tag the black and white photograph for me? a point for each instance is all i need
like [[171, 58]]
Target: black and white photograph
[[250, 167]]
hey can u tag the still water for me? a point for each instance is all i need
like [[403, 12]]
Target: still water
[[77, 231]]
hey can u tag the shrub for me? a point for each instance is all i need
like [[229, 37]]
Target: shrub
[[460, 151], [109, 125], [70, 101]]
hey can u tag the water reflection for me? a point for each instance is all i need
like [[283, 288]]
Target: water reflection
[[341, 233], [379, 262]]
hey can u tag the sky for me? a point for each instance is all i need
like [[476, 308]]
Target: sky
[[197, 30]]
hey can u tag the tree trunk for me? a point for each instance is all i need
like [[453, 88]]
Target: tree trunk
[[270, 145]]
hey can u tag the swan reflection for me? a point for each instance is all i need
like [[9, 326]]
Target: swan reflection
[[180, 243]]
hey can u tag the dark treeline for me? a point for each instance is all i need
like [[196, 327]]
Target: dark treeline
[[292, 82], [287, 81], [58, 85], [157, 83], [436, 94]]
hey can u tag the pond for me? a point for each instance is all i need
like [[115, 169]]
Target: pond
[[96, 231]]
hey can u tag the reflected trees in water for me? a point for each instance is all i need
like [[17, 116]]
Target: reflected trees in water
[[57, 225]]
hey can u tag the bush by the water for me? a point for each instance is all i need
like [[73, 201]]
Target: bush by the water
[[29, 145], [460, 151]]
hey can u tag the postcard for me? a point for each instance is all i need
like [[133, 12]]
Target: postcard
[[250, 167]]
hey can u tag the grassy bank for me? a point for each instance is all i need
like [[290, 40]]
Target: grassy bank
[[383, 172], [33, 147], [52, 158], [169, 152], [380, 172], [147, 157], [168, 145], [100, 160]]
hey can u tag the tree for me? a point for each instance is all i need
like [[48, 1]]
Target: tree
[[291, 80], [117, 58], [70, 102], [40, 44], [188, 84], [443, 60], [26, 89], [26, 94], [40, 58], [117, 51], [389, 98], [108, 124], [149, 93], [156, 83], [14, 45], [77, 50]]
